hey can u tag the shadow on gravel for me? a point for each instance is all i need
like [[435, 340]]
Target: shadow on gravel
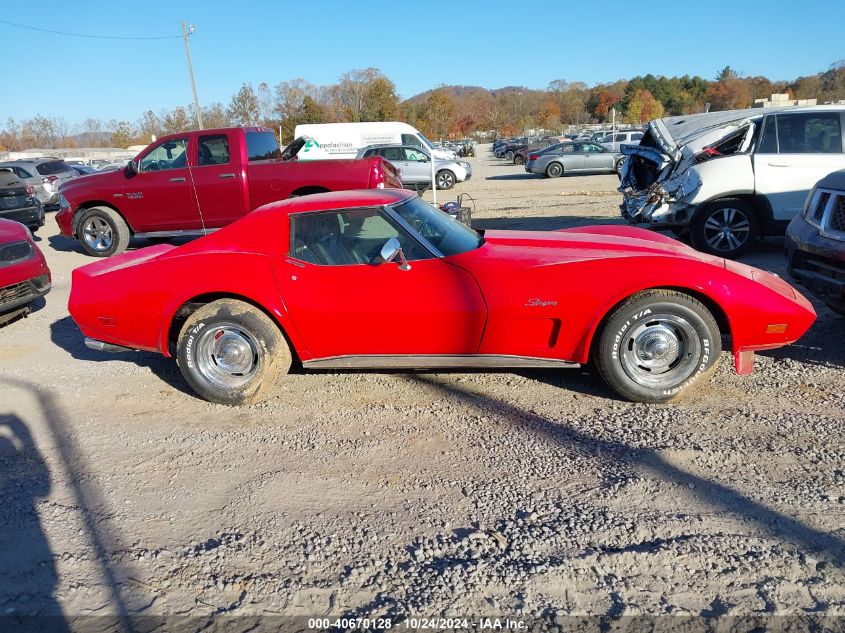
[[778, 525], [64, 244], [65, 334], [514, 176], [84, 496]]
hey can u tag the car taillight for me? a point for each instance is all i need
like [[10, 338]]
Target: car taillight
[[533, 156], [30, 190]]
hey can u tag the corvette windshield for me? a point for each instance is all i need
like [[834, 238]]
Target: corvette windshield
[[446, 234]]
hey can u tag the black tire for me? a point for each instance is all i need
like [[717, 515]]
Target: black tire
[[102, 232], [509, 156], [656, 344], [231, 353], [445, 179], [725, 228], [554, 170], [518, 160], [618, 167]]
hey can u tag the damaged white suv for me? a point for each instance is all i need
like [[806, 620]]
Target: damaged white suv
[[726, 178]]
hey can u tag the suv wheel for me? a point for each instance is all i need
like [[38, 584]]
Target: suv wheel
[[725, 228], [518, 160], [445, 179], [509, 156]]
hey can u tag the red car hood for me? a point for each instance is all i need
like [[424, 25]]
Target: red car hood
[[11, 231], [591, 242]]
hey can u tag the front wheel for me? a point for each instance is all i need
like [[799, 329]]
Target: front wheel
[[230, 352], [725, 228], [445, 179], [657, 344], [102, 232], [509, 156]]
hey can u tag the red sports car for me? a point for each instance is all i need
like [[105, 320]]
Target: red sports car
[[24, 275], [381, 279]]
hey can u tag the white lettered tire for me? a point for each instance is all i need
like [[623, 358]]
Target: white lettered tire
[[230, 352], [656, 345]]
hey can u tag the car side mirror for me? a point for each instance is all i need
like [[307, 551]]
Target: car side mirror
[[393, 249], [131, 169]]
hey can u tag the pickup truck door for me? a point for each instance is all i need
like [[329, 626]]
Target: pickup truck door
[[343, 301], [218, 179], [160, 197], [796, 149]]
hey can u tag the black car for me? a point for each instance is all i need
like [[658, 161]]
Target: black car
[[19, 202], [815, 242]]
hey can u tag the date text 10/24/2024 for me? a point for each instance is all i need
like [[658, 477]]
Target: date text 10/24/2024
[[418, 624]]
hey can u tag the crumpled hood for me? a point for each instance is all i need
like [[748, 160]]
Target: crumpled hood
[[592, 242]]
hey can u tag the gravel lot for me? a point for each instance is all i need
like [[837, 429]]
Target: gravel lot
[[532, 494]]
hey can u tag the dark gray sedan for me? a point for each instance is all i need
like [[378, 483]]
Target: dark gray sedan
[[573, 158]]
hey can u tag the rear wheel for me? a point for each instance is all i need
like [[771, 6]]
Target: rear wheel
[[656, 344], [230, 352], [618, 168], [518, 160], [102, 232], [725, 228], [554, 170]]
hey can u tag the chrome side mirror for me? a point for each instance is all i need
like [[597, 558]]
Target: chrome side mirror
[[391, 250]]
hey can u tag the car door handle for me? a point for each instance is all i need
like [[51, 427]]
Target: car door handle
[[226, 176], [179, 179], [780, 164]]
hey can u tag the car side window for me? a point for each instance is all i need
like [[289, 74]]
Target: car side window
[[570, 148], [809, 133], [769, 139], [167, 155], [619, 138], [213, 150], [414, 155], [393, 153], [636, 137], [348, 238], [21, 173]]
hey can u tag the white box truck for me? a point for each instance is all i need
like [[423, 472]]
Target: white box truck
[[343, 140]]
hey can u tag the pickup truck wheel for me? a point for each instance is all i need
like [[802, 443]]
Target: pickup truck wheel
[[656, 344], [554, 170], [725, 228], [445, 179], [230, 352], [102, 232]]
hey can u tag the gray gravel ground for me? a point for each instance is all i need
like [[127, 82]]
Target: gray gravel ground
[[531, 494]]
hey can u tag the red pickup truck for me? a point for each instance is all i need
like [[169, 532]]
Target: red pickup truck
[[194, 182]]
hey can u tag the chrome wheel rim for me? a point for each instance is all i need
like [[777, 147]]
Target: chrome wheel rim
[[227, 356], [662, 351], [444, 181], [727, 229], [97, 234]]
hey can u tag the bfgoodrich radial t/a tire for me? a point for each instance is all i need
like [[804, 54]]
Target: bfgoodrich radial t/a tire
[[656, 344], [230, 352]]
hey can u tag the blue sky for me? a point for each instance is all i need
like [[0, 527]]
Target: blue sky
[[491, 44]]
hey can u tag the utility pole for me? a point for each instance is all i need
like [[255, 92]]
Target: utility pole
[[186, 31]]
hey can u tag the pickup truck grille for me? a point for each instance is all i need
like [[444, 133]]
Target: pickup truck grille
[[16, 291], [14, 252], [827, 211], [837, 215]]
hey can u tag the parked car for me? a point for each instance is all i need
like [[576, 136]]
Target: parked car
[[726, 178], [18, 201], [382, 279], [815, 242], [84, 170], [232, 171], [573, 158], [510, 148], [414, 165], [24, 276], [97, 162], [44, 174], [520, 156], [615, 140]]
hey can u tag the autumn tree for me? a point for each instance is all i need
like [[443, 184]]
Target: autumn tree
[[436, 114], [643, 107], [149, 127], [244, 108], [123, 133], [215, 116], [549, 114], [728, 92], [177, 120]]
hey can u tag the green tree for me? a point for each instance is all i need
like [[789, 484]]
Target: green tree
[[643, 107]]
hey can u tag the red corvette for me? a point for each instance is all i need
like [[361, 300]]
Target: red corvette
[[381, 279], [24, 275]]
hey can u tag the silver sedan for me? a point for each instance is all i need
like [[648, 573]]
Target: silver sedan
[[573, 158]]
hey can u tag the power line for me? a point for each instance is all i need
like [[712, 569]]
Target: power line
[[95, 37]]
